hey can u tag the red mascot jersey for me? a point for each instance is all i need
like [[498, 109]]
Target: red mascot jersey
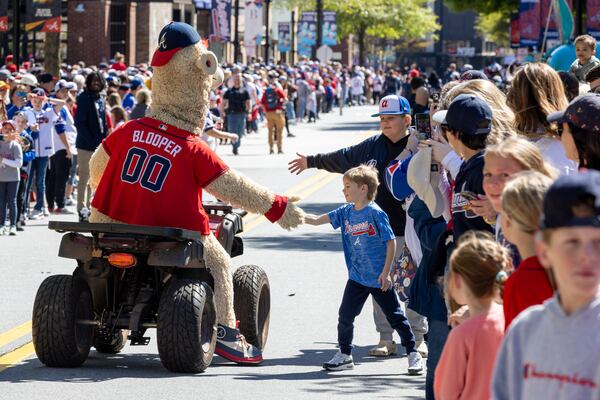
[[155, 176]]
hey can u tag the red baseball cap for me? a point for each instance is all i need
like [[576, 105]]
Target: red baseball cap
[[172, 38]]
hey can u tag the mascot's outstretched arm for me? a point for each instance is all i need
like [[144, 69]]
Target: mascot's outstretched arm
[[242, 192]]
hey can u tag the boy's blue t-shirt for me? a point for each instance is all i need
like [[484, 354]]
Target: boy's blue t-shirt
[[365, 234]]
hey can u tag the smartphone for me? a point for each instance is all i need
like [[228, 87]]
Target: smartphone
[[469, 195], [423, 126]]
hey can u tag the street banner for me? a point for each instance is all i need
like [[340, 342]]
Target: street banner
[[304, 51], [514, 33], [307, 30], [3, 15], [253, 23], [529, 22], [220, 27], [284, 37], [593, 18], [42, 15], [329, 32]]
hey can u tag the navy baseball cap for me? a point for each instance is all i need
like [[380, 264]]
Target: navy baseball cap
[[573, 200], [467, 114], [583, 112], [172, 38], [393, 105], [472, 74]]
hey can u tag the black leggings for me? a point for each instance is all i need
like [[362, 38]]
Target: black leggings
[[56, 179]]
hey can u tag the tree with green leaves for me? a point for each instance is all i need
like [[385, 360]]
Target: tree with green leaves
[[494, 16], [389, 19]]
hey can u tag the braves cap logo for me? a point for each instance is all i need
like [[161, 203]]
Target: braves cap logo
[[163, 41], [220, 332]]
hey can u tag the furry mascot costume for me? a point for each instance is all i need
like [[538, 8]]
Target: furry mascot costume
[[184, 71]]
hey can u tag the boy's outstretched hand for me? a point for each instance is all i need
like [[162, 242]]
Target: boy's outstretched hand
[[385, 280], [298, 165]]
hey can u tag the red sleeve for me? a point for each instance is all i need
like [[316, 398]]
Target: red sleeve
[[207, 164], [508, 301], [110, 142], [280, 93], [109, 122]]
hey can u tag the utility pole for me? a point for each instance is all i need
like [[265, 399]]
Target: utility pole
[[293, 29], [579, 27], [267, 42], [236, 40], [319, 28], [16, 30]]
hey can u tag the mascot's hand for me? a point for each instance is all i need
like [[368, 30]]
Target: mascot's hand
[[293, 215]]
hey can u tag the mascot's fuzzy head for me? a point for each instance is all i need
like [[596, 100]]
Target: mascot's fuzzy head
[[184, 73]]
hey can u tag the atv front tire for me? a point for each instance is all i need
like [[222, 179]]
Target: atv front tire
[[186, 331], [252, 303], [60, 338]]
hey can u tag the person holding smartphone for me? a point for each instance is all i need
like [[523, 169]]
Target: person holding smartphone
[[18, 100]]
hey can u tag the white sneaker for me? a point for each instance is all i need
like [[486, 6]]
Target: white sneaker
[[339, 362], [3, 231], [46, 212], [35, 214], [415, 363], [12, 231]]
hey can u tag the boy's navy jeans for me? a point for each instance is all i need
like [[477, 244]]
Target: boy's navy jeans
[[353, 301]]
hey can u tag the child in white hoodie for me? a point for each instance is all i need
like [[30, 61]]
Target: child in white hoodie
[[551, 350]]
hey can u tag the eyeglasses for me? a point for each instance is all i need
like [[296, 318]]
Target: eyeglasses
[[595, 90]]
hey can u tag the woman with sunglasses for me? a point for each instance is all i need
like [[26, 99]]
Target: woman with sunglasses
[[579, 129]]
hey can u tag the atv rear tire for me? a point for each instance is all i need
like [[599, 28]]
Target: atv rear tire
[[114, 346], [187, 331], [58, 339], [252, 303]]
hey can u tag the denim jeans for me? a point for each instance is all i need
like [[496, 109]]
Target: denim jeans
[[236, 123], [436, 339], [39, 165], [8, 198], [355, 296]]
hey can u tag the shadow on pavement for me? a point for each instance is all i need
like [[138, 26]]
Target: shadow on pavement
[[319, 208], [307, 241], [352, 126]]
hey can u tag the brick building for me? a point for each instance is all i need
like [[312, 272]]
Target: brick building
[[99, 28]]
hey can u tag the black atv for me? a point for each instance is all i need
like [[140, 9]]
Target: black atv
[[130, 278]]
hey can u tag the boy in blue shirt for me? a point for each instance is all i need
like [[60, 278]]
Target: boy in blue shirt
[[369, 247]]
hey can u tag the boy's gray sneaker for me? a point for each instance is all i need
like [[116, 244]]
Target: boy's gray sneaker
[[339, 362], [3, 230], [415, 363], [13, 230]]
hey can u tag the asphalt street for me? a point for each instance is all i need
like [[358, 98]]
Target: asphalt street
[[307, 275]]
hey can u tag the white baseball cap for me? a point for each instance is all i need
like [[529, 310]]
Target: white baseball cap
[[393, 105]]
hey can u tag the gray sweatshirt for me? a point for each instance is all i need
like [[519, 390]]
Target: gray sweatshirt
[[12, 159], [549, 355]]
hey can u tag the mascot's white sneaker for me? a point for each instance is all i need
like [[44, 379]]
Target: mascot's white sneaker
[[232, 345]]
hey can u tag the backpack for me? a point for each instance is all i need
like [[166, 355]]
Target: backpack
[[272, 99]]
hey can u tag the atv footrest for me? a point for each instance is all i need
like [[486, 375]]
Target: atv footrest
[[139, 340]]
